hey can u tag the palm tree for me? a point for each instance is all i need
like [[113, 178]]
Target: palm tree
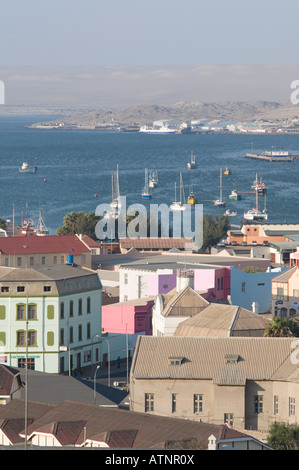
[[282, 327]]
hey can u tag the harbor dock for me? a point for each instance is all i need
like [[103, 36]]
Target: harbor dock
[[273, 156]]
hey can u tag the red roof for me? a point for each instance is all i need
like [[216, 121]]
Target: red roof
[[33, 244]]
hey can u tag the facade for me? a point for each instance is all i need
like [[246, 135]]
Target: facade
[[248, 383], [132, 317], [253, 291], [34, 251], [285, 293], [58, 309]]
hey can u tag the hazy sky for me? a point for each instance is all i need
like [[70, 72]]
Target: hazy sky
[[44, 42]]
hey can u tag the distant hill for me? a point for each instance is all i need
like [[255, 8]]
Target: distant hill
[[137, 116]]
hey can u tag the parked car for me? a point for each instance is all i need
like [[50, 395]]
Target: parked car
[[265, 242], [244, 243], [253, 242]]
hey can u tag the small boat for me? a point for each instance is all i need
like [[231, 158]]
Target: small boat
[[191, 198], [234, 195], [26, 168], [179, 205], [227, 171], [230, 213], [153, 179], [192, 164], [259, 186], [146, 194], [42, 230], [219, 202]]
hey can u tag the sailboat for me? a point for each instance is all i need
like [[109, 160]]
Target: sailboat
[[259, 186], [255, 213], [115, 197], [153, 179], [146, 194], [179, 205], [219, 202], [42, 229], [192, 163]]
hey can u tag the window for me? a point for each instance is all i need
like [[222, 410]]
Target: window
[[279, 290], [243, 288], [19, 261], [31, 261], [88, 305], [20, 338], [149, 402], [61, 311], [80, 307], [71, 334], [258, 404], [21, 312], [295, 292], [43, 260], [71, 308], [229, 419], [275, 404], [20, 289], [31, 338], [4, 289], [30, 363], [175, 361], [54, 259], [125, 278], [32, 312], [47, 288], [291, 406], [197, 403], [79, 332], [87, 356], [88, 328], [6, 262], [173, 403], [62, 336]]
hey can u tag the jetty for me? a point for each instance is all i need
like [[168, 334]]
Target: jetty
[[273, 156]]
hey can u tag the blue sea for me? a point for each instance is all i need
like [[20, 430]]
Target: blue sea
[[75, 165]]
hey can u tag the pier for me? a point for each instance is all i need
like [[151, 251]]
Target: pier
[[268, 156]]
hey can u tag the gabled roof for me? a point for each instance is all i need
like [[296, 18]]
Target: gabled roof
[[66, 432], [7, 376], [223, 320], [285, 276], [33, 244], [185, 303], [11, 427], [206, 358]]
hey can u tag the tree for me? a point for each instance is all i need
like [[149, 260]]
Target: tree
[[3, 224], [214, 229], [78, 223], [283, 436], [281, 327]]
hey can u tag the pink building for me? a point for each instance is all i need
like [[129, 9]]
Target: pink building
[[215, 281], [130, 317]]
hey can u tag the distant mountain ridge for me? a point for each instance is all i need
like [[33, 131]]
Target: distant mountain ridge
[[181, 111]]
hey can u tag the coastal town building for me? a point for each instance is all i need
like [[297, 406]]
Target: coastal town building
[[71, 424], [58, 310], [131, 317], [285, 293], [174, 307], [247, 382], [32, 251]]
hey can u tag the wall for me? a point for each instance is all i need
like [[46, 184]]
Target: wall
[[216, 281], [257, 287], [161, 283], [127, 318]]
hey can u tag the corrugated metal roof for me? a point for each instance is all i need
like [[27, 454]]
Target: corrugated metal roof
[[284, 277], [222, 320], [185, 303], [70, 244], [260, 358]]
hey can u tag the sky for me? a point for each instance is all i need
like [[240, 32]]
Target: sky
[[107, 52]]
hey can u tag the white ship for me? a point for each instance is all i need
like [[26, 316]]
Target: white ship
[[157, 130]]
